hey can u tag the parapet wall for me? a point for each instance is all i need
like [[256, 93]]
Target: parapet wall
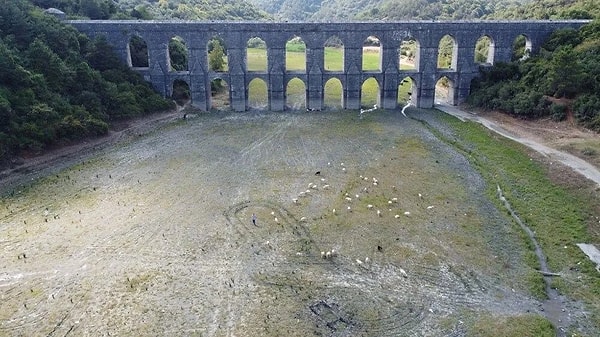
[[427, 34]]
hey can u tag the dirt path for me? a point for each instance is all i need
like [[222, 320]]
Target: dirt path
[[545, 138], [56, 159]]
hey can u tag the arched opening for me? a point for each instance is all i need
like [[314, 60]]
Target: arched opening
[[258, 95], [334, 54], [444, 91], [138, 52], [370, 93], [334, 97], [295, 54], [217, 55], [295, 94], [256, 55], [408, 55], [178, 54], [405, 91], [220, 96], [447, 51], [521, 48], [181, 92], [484, 50], [372, 55]]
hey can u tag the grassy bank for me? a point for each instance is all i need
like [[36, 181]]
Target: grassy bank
[[557, 208]]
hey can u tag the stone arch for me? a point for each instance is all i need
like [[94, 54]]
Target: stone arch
[[258, 94], [405, 92], [137, 52], [295, 94], [180, 92], [333, 94], [447, 52], [216, 51], [408, 54], [372, 54], [333, 59], [521, 48], [295, 54], [444, 91], [220, 94], [370, 93], [257, 55], [178, 54], [484, 50]]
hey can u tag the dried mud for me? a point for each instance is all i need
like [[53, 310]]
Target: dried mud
[[153, 236]]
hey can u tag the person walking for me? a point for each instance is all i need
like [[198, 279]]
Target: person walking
[[254, 219]]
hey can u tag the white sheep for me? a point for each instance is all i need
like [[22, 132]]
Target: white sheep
[[295, 200], [326, 187], [348, 199], [349, 209], [403, 273], [395, 199], [334, 211], [378, 213], [369, 206], [396, 216], [407, 213]]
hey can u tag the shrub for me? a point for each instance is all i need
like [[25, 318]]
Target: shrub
[[558, 112]]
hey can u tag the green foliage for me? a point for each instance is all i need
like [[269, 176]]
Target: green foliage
[[564, 69], [549, 9], [192, 9], [56, 85], [216, 55], [139, 52], [295, 45], [179, 54], [558, 112]]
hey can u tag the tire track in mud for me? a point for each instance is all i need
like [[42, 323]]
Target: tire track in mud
[[344, 298]]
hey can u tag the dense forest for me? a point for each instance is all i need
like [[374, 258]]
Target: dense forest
[[57, 85], [563, 80]]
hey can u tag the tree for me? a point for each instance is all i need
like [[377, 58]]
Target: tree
[[216, 55]]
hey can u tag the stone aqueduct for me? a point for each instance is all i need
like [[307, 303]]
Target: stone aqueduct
[[236, 35]]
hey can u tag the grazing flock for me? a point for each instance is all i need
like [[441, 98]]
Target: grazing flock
[[369, 184]]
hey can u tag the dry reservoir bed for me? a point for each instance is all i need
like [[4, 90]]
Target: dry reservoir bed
[[154, 237]]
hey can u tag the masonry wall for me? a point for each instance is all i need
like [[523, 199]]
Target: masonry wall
[[157, 35]]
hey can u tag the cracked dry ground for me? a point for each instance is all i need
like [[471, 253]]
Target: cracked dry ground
[[154, 237]]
